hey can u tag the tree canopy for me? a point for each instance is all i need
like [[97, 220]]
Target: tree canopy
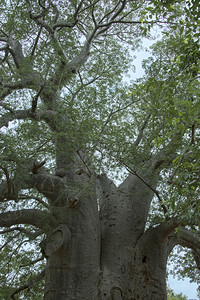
[[63, 95]]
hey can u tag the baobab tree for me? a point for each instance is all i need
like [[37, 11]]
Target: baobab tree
[[70, 124]]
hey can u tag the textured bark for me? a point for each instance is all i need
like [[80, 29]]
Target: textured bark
[[96, 245], [100, 249], [73, 253]]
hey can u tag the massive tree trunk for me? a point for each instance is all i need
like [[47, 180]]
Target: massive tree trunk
[[97, 243], [100, 249], [117, 260]]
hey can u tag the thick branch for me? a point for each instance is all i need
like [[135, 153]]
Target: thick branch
[[35, 198], [17, 115], [63, 24], [188, 239], [30, 79], [167, 227], [75, 64], [37, 218], [16, 52], [30, 234], [45, 115], [133, 172], [52, 187]]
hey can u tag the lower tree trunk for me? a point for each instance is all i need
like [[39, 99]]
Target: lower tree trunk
[[73, 253], [74, 274], [115, 261]]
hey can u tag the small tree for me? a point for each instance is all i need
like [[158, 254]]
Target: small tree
[[69, 124]]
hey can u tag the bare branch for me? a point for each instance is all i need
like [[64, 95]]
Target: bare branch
[[37, 218], [93, 17], [57, 13], [52, 187], [35, 100], [29, 81], [41, 4], [28, 233], [33, 262], [141, 131], [187, 239], [17, 115], [63, 24], [36, 41], [9, 240], [110, 12], [35, 198], [13, 85], [45, 115], [41, 23], [83, 86], [74, 65], [15, 48], [89, 6], [78, 9], [29, 285], [119, 10]]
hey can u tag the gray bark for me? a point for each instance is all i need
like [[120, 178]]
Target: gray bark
[[100, 252], [96, 245]]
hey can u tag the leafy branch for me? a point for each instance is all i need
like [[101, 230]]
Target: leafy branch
[[29, 284]]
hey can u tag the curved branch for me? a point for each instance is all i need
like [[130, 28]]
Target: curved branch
[[63, 24], [52, 187], [34, 198], [28, 233], [35, 217], [181, 236], [168, 227], [188, 239]]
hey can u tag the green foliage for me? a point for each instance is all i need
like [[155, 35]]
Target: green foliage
[[17, 254], [173, 296], [96, 111]]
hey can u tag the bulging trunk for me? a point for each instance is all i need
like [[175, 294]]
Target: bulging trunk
[[150, 259], [84, 264], [73, 253]]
